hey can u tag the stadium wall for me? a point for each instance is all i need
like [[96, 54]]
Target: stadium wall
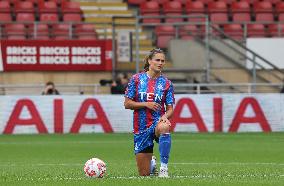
[[106, 113]]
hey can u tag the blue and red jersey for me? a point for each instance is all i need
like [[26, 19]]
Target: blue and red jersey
[[142, 88]]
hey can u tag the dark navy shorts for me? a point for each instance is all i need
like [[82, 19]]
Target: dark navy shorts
[[144, 140]]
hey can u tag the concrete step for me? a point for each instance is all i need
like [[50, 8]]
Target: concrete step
[[132, 65], [107, 13], [108, 20], [108, 35], [103, 5]]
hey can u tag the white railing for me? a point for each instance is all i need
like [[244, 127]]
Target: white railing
[[186, 88], [203, 88], [37, 89]]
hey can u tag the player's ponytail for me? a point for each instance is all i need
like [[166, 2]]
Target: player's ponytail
[[146, 61], [150, 56]]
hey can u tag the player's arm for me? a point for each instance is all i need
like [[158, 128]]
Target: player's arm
[[169, 111], [170, 100], [168, 114], [133, 105]]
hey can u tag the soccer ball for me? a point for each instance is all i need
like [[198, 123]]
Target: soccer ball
[[95, 168]]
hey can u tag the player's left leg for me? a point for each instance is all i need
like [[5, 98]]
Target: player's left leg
[[162, 131], [143, 161]]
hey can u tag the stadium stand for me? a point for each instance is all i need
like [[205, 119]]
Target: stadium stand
[[240, 11], [234, 30], [164, 34], [218, 11], [39, 18], [275, 29], [48, 11], [279, 10], [172, 8], [195, 8], [242, 14], [263, 11], [5, 11], [38, 31], [256, 30], [15, 31], [150, 8]]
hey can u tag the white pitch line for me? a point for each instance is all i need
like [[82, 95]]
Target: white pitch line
[[62, 142], [174, 163], [228, 163], [202, 176]]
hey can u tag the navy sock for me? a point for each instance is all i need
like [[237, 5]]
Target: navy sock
[[165, 147]]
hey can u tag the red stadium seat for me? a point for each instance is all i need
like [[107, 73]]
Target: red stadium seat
[[240, 11], [218, 11], [15, 27], [87, 37], [276, 30], [263, 11], [38, 31], [183, 2], [164, 35], [61, 30], [71, 7], [48, 17], [196, 9], [47, 7], [250, 1], [279, 9], [84, 28], [150, 8], [188, 32], [35, 2], [72, 17], [42, 37], [206, 1], [14, 31], [16, 37], [235, 31], [161, 2], [61, 37], [84, 31], [273, 1], [173, 8], [256, 30], [58, 2], [5, 17], [24, 7], [62, 27], [5, 7], [25, 17]]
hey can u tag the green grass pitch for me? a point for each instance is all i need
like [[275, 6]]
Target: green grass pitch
[[196, 159]]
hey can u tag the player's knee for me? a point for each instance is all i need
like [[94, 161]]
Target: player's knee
[[163, 128], [144, 172]]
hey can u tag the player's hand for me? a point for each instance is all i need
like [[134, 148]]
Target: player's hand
[[153, 106], [164, 119]]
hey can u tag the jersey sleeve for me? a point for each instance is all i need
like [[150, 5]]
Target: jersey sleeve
[[131, 88], [170, 98]]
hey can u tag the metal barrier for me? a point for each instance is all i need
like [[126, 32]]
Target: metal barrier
[[92, 89]]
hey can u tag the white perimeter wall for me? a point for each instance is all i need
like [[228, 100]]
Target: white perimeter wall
[[106, 113]]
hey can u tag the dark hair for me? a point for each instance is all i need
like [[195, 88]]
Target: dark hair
[[49, 83], [150, 56]]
